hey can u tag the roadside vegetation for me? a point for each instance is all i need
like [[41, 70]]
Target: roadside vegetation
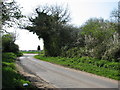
[[99, 67], [10, 77], [93, 47], [96, 38], [8, 44]]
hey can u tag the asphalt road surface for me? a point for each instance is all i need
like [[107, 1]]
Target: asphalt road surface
[[62, 77]]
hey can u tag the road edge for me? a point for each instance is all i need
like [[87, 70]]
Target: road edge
[[34, 79]]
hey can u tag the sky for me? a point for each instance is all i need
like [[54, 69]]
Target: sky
[[80, 12]]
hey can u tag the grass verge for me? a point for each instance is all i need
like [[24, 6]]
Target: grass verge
[[30, 52], [10, 77], [91, 65]]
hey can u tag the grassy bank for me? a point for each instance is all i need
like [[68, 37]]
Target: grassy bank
[[91, 65], [10, 77]]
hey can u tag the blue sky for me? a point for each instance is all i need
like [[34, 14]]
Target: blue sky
[[80, 10]]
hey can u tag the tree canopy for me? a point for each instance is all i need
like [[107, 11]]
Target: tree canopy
[[10, 11], [50, 23], [10, 14], [97, 38]]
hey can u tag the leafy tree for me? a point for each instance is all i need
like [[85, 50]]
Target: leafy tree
[[10, 13], [97, 38], [8, 44], [101, 39], [97, 30], [47, 24]]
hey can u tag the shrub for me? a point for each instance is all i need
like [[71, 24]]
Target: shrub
[[101, 63], [11, 65], [19, 54], [8, 57], [113, 65], [8, 43]]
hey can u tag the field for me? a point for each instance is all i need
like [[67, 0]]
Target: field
[[30, 52]]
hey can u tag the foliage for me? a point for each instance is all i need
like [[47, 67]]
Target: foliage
[[50, 23], [8, 44], [19, 54], [8, 57], [115, 14], [91, 65], [10, 77], [97, 38], [10, 12], [68, 36]]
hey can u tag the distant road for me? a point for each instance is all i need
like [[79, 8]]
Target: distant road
[[62, 77]]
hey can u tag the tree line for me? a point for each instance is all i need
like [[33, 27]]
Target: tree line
[[10, 16], [97, 38]]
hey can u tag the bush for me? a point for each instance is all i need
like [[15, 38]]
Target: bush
[[113, 65], [8, 57], [11, 65], [19, 54], [100, 63], [8, 43]]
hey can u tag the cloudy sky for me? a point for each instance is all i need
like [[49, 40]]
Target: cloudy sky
[[80, 10]]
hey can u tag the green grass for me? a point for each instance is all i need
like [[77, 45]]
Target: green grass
[[30, 52], [10, 77], [91, 65], [33, 52]]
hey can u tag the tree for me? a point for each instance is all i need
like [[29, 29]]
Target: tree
[[101, 39], [8, 44], [115, 16], [10, 13], [48, 25]]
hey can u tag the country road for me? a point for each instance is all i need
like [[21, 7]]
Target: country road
[[62, 77]]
